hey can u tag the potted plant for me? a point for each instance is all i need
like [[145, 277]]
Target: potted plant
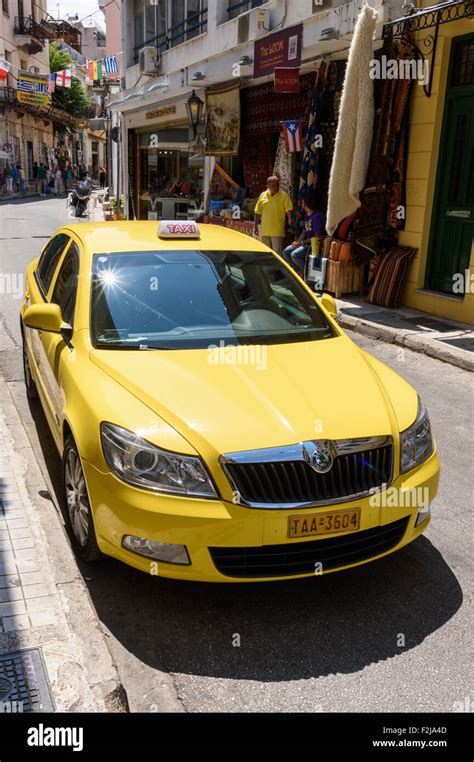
[[117, 206]]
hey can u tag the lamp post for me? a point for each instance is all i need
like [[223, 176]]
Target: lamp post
[[194, 107]]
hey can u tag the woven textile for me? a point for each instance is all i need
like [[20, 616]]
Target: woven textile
[[285, 167], [257, 162], [263, 109], [391, 277]]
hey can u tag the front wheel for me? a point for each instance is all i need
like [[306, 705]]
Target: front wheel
[[78, 507]]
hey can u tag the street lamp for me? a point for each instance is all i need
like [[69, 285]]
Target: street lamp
[[194, 106]]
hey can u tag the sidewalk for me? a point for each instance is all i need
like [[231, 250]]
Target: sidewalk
[[443, 339], [53, 653]]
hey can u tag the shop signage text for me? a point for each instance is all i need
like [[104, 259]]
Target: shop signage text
[[281, 49], [32, 88], [287, 80], [164, 111]]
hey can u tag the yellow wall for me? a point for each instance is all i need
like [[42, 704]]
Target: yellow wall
[[426, 119]]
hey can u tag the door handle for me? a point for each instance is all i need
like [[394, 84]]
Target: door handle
[[464, 213]]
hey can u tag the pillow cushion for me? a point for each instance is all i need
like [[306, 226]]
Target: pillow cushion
[[391, 276]]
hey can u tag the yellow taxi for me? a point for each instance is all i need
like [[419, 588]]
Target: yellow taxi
[[214, 421]]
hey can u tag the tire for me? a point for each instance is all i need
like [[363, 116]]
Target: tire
[[77, 505], [30, 386], [80, 209]]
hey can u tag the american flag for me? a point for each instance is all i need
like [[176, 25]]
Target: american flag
[[110, 64], [52, 83], [293, 135]]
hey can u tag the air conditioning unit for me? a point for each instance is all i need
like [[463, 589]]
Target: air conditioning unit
[[148, 61], [251, 25]]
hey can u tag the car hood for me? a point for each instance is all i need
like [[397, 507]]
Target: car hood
[[221, 401]]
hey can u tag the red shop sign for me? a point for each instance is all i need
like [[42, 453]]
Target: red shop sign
[[287, 80], [280, 49]]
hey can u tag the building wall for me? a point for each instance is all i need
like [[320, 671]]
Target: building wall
[[426, 119], [111, 13], [27, 128]]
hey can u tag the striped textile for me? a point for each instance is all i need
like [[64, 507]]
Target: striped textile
[[391, 276]]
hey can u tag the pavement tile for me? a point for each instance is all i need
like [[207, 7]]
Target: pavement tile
[[43, 618], [19, 543], [16, 523], [25, 554], [14, 623], [11, 608], [11, 594], [31, 578], [42, 603], [9, 580], [22, 532], [40, 590]]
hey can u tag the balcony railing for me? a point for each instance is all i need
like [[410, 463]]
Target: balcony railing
[[7, 95], [194, 25], [28, 26]]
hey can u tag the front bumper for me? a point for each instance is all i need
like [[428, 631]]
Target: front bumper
[[120, 509]]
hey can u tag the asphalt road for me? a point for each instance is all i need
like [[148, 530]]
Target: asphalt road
[[330, 643]]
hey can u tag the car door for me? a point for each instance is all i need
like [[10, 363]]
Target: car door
[[37, 291], [54, 348]]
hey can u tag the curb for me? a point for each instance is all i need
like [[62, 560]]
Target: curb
[[81, 670], [405, 338]]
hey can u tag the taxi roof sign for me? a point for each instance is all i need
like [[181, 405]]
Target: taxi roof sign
[[178, 229]]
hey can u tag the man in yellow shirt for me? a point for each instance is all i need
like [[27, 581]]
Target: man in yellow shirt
[[272, 209]]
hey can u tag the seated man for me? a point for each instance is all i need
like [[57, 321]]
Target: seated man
[[313, 225]]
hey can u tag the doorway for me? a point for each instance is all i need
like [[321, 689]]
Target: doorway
[[452, 227]]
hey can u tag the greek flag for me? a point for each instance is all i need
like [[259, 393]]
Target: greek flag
[[110, 63]]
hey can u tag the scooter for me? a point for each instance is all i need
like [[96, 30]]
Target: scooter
[[79, 198]]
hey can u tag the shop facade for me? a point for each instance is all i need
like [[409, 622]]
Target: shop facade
[[440, 172], [413, 142], [164, 164]]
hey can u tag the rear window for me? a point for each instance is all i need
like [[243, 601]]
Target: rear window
[[192, 299]]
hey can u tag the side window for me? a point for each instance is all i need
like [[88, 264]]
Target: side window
[[49, 260], [65, 288]]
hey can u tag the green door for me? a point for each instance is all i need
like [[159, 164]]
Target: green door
[[452, 226]]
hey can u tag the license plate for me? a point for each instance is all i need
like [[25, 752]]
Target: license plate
[[313, 524]]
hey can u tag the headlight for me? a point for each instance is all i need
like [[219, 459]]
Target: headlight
[[416, 442], [138, 462]]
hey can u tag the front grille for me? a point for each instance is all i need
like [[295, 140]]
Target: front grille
[[295, 481], [300, 557]]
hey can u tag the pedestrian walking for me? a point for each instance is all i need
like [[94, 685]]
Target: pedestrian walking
[[21, 179], [58, 182], [35, 176], [42, 178], [102, 177], [69, 178], [7, 173], [273, 209], [15, 178]]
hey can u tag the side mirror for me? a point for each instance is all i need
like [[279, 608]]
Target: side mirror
[[46, 317], [329, 304]]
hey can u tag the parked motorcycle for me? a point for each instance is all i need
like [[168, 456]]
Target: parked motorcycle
[[79, 198]]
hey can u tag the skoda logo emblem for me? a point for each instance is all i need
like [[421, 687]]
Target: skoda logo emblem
[[321, 458]]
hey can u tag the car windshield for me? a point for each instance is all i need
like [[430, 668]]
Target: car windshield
[[192, 299]]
